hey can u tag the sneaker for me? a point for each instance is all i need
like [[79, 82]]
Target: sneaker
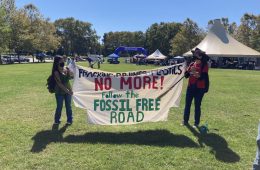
[[69, 123], [184, 123], [56, 123], [195, 126]]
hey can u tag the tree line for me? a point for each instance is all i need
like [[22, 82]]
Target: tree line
[[26, 30]]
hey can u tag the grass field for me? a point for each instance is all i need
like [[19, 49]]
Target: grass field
[[27, 141]]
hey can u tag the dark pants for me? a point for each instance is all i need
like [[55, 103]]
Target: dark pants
[[197, 94], [59, 101]]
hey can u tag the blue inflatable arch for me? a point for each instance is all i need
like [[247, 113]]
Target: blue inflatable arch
[[138, 49]]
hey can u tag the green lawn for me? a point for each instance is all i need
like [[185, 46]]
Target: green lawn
[[27, 141]]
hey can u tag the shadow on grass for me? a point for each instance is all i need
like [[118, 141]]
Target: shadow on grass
[[150, 137], [43, 138], [219, 146]]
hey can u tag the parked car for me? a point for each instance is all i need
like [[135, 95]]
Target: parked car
[[113, 60], [109, 59], [7, 59], [41, 56], [21, 58]]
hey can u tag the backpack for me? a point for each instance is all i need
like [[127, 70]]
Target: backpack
[[51, 84]]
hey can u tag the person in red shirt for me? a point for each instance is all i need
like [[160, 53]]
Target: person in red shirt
[[198, 84]]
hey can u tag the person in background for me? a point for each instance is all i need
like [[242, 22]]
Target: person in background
[[68, 61], [62, 89], [197, 73], [65, 58], [89, 62], [99, 62]]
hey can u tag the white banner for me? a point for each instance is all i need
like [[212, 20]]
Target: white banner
[[129, 97]]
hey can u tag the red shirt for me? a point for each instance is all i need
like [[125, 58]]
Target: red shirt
[[192, 79]]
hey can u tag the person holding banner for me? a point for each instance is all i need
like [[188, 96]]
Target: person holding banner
[[198, 84], [62, 89]]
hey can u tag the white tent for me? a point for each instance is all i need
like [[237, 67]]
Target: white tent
[[139, 56], [220, 44], [157, 55], [178, 57]]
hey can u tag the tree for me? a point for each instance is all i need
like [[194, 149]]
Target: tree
[[109, 43], [4, 31], [112, 40], [232, 29], [77, 37], [31, 33], [188, 37], [6, 9], [46, 38], [255, 35], [19, 35], [245, 30], [9, 8], [158, 36], [42, 32], [34, 17]]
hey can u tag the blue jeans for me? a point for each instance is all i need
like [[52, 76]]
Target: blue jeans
[[59, 101], [197, 94]]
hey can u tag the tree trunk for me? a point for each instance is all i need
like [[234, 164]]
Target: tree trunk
[[19, 58]]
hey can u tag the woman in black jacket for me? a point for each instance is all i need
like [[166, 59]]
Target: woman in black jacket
[[198, 84]]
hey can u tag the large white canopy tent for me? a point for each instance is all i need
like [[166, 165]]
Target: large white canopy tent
[[157, 55], [218, 43]]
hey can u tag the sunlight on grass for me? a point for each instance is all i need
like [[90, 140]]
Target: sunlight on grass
[[27, 141]]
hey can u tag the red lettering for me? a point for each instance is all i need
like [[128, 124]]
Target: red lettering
[[127, 82], [147, 80], [108, 83], [154, 86], [98, 84], [101, 83], [137, 82]]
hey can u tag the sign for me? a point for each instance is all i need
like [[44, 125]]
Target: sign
[[127, 97]]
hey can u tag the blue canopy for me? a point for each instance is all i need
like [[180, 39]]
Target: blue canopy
[[113, 55]]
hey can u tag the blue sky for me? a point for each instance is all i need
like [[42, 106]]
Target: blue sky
[[138, 15]]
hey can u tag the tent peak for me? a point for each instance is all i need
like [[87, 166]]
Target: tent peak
[[217, 21], [219, 43]]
